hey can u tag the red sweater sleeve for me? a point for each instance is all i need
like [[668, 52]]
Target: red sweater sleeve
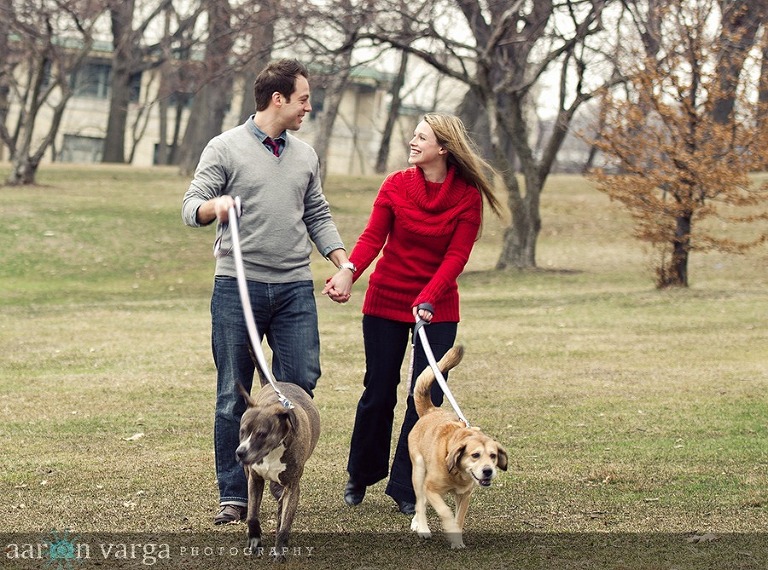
[[454, 261], [374, 236]]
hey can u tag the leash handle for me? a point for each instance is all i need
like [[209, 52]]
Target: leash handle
[[419, 321], [253, 333], [419, 330], [238, 207]]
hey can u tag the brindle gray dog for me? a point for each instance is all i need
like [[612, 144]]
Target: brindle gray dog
[[275, 443]]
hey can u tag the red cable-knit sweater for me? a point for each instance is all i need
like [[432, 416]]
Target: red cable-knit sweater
[[425, 232]]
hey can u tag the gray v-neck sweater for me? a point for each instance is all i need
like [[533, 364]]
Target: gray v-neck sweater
[[284, 209]]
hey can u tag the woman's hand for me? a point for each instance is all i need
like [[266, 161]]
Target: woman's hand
[[339, 286], [422, 314]]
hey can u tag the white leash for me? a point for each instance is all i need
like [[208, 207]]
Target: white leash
[[253, 333], [419, 329]]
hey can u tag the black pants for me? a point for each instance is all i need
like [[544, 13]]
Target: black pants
[[385, 347]]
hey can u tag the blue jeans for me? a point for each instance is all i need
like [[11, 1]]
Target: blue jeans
[[385, 343], [286, 314]]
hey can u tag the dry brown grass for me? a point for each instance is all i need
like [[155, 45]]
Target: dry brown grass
[[627, 411]]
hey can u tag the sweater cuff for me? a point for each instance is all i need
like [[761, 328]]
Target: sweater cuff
[[325, 252]]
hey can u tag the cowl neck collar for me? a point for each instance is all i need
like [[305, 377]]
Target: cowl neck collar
[[447, 195], [431, 213]]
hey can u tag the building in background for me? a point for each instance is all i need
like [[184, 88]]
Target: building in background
[[357, 131]]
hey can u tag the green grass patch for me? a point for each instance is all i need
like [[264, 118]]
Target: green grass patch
[[636, 420]]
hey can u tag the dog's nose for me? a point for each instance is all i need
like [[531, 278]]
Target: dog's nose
[[487, 472], [240, 452]]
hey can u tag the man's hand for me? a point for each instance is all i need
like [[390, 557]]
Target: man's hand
[[215, 209], [339, 287]]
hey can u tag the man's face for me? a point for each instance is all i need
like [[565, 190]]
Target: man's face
[[292, 110]]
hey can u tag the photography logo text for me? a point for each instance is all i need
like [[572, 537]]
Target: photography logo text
[[65, 551]]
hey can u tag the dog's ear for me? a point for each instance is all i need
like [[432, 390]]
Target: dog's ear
[[501, 459], [454, 458], [289, 418], [246, 395]]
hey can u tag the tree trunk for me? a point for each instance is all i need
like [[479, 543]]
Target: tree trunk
[[261, 52], [521, 237], [762, 109], [392, 114], [23, 171], [175, 150], [741, 20], [205, 121], [121, 14], [210, 103], [26, 160], [114, 140], [6, 6], [334, 92], [675, 273], [519, 247]]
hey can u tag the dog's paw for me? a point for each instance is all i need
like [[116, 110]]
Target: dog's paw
[[456, 539], [422, 531], [254, 545]]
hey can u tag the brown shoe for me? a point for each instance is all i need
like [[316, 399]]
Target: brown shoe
[[230, 514]]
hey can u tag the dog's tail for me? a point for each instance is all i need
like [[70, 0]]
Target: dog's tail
[[421, 391]]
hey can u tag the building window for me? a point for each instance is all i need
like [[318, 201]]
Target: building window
[[317, 101], [135, 87], [76, 148], [94, 79]]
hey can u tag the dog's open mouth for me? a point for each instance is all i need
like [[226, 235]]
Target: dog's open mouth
[[483, 482]]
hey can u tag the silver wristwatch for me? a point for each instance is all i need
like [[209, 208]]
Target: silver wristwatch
[[348, 265]]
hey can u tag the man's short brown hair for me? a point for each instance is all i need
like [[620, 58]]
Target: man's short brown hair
[[279, 76]]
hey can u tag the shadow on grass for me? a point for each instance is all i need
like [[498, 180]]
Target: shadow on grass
[[226, 548]]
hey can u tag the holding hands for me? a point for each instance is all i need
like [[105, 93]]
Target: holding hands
[[339, 286]]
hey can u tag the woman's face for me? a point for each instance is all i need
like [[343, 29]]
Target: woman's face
[[424, 149]]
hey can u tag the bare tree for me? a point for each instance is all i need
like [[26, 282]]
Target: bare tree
[[762, 87], [330, 33], [240, 40], [132, 54], [166, 146], [682, 160], [259, 25], [51, 41], [215, 79], [395, 101], [514, 47], [740, 22], [7, 67]]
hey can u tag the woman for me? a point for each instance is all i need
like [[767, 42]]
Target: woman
[[425, 221]]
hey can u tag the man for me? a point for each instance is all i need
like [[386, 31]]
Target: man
[[277, 178]]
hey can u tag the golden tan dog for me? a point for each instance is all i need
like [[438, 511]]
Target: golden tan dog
[[447, 457]]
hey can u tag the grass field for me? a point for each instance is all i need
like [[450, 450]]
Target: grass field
[[636, 420]]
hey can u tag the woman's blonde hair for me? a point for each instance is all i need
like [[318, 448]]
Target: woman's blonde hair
[[452, 135]]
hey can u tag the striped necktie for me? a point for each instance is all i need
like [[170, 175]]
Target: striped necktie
[[272, 144]]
